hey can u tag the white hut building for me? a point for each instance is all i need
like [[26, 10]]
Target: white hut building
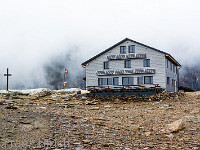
[[132, 63]]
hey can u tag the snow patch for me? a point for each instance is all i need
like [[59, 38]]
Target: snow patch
[[40, 90]]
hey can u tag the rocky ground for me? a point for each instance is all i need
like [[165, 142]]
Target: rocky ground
[[69, 120]]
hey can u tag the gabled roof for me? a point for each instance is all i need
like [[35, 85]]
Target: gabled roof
[[127, 39]]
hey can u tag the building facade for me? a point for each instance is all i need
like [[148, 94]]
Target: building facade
[[132, 63]]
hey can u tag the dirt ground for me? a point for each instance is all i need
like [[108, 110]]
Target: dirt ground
[[73, 121]]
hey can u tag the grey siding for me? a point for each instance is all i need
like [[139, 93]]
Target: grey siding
[[172, 75], [157, 62]]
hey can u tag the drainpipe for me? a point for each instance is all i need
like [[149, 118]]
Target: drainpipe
[[178, 77]]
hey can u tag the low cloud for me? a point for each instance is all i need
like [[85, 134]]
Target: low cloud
[[39, 36]]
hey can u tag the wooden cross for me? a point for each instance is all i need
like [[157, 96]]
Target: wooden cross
[[7, 77]]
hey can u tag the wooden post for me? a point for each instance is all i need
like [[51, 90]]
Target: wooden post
[[94, 90], [108, 91], [139, 90], [123, 90]]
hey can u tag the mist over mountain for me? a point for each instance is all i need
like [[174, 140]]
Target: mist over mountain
[[190, 77], [55, 72]]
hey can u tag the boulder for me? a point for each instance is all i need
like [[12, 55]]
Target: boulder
[[84, 98], [107, 106], [94, 108], [86, 141], [147, 133], [173, 127]]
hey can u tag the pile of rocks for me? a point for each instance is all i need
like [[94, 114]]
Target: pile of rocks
[[158, 97]]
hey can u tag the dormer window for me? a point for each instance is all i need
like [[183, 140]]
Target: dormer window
[[131, 49], [122, 49]]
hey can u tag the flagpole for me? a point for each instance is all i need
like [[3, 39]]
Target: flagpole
[[64, 79], [66, 72]]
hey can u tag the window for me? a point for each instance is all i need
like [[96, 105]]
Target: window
[[176, 70], [127, 81], [167, 63], [106, 65], [122, 49], [168, 80], [110, 81], [170, 66], [140, 80], [172, 83], [127, 64], [115, 81], [148, 80], [146, 62], [131, 49], [173, 68], [102, 81]]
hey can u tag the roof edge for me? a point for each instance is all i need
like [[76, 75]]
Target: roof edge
[[85, 63], [127, 39], [172, 59]]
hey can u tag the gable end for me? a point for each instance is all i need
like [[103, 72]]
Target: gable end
[[127, 39]]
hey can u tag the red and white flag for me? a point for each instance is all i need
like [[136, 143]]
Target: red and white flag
[[66, 71]]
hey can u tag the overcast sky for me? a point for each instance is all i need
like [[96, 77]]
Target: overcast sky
[[34, 31]]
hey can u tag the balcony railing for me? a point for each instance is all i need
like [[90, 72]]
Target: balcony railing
[[125, 72], [126, 56]]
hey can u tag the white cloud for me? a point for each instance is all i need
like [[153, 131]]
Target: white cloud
[[32, 31]]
